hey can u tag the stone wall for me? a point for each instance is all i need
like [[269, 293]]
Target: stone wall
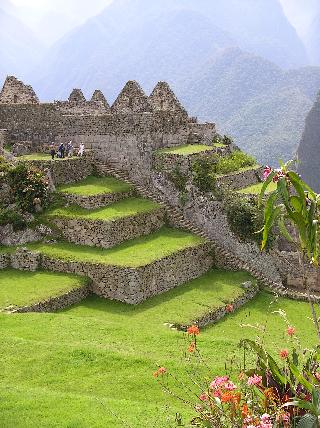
[[215, 315], [65, 170], [239, 180], [23, 259], [134, 285], [54, 304], [108, 234], [8, 236], [97, 201], [16, 92]]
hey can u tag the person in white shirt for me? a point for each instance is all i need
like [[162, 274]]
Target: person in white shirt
[[81, 149]]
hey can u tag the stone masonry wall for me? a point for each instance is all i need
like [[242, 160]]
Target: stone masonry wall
[[134, 285], [65, 170], [97, 201], [108, 234], [240, 179]]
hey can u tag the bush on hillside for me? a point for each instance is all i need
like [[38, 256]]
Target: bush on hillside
[[233, 162], [203, 173], [30, 187], [9, 216]]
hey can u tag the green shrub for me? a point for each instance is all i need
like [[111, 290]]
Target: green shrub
[[203, 173], [233, 162], [245, 218], [8, 216], [29, 185], [4, 165], [178, 178]]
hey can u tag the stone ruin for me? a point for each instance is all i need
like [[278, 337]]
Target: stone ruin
[[125, 138], [16, 92]]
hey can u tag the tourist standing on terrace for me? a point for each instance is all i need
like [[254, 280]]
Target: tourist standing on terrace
[[69, 149], [81, 149], [52, 151], [61, 150]]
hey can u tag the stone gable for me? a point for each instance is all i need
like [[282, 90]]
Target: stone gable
[[16, 92], [163, 98], [131, 99]]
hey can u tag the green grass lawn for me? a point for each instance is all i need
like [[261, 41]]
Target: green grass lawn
[[255, 189], [95, 186], [125, 208], [136, 252], [40, 156], [19, 288], [187, 149], [91, 366]]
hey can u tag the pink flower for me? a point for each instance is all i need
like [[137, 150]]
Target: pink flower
[[265, 418], [291, 331], [284, 354], [254, 380], [267, 171], [229, 308], [219, 381], [229, 386], [317, 376], [203, 397]]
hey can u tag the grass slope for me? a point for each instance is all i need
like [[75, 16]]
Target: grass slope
[[255, 189], [188, 149], [125, 208], [136, 252], [95, 186], [19, 288], [91, 366]]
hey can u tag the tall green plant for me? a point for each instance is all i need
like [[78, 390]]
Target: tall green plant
[[293, 203]]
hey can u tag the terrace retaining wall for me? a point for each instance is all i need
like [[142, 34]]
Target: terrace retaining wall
[[97, 201], [134, 285], [107, 234]]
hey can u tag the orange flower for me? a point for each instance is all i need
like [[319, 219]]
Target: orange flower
[[291, 331], [160, 371], [230, 397], [241, 376], [229, 308], [192, 347], [245, 411], [284, 354], [193, 330]]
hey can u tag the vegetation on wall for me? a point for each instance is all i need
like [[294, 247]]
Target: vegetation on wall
[[30, 187], [9, 216], [233, 162], [178, 178], [203, 173]]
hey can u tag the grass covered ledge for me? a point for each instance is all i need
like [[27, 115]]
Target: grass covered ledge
[[92, 185], [187, 149], [124, 208], [134, 253], [21, 288]]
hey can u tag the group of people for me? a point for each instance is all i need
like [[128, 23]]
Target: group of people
[[65, 151]]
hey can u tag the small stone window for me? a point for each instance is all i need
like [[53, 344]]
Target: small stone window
[[130, 102], [15, 99]]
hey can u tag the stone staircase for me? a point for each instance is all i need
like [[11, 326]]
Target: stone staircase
[[177, 216]]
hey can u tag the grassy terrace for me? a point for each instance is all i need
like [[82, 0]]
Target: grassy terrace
[[134, 253], [188, 149], [125, 208], [92, 363], [40, 156], [95, 186], [19, 288], [255, 189]]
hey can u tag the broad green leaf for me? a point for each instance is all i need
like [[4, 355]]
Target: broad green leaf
[[296, 203], [300, 378], [308, 421], [283, 229], [265, 186]]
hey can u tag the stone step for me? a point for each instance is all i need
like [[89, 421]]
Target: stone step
[[96, 192], [111, 225], [135, 270]]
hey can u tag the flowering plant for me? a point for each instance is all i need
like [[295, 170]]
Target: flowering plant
[[268, 395]]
